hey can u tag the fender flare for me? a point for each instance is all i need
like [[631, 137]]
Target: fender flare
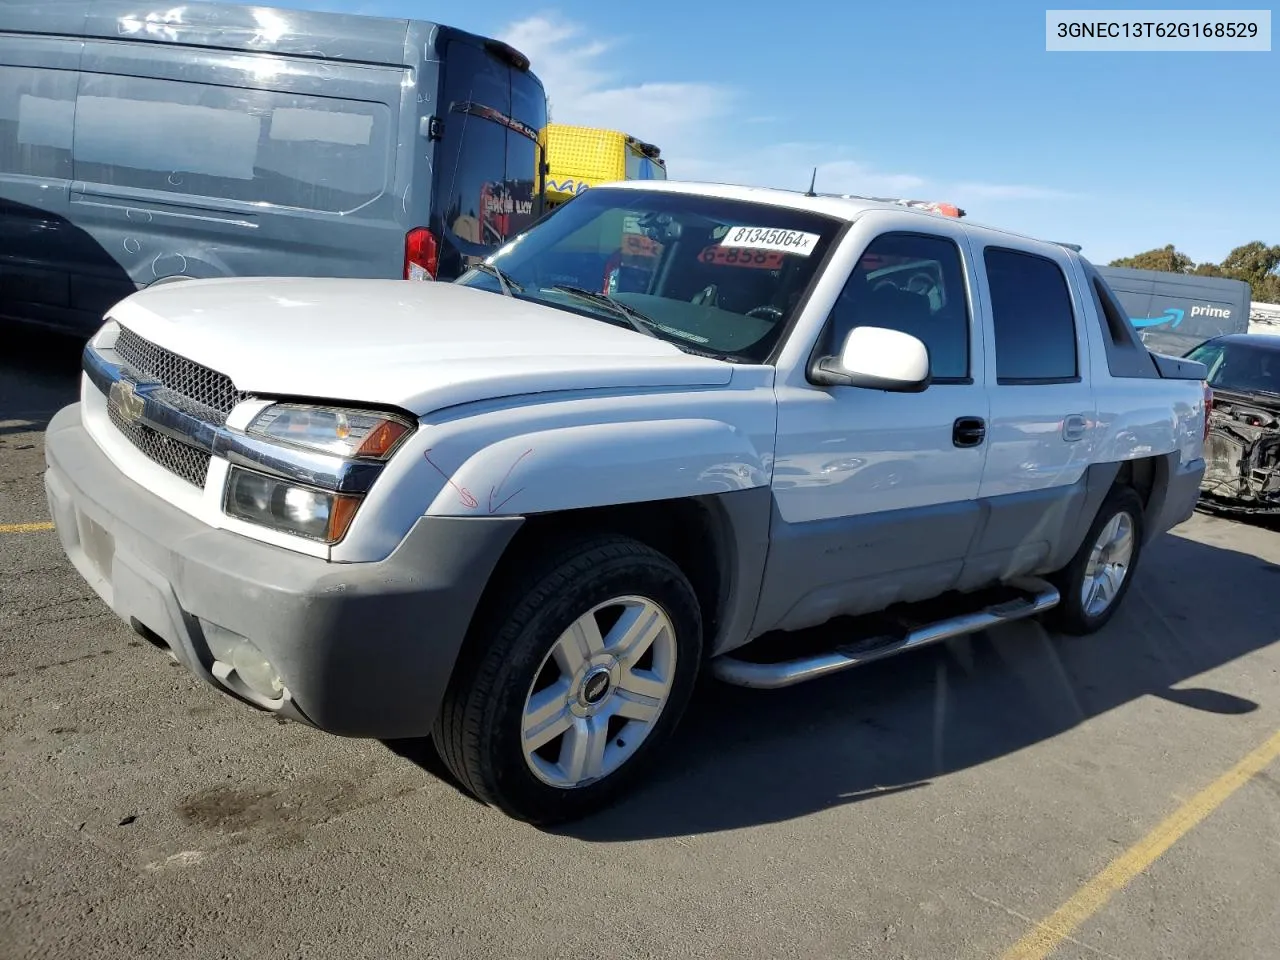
[[602, 464]]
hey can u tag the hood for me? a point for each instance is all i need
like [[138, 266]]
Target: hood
[[417, 346]]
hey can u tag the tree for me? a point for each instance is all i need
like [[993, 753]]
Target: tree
[[1165, 259], [1255, 263], [1268, 291]]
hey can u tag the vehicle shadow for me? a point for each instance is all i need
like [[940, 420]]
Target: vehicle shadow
[[52, 272], [39, 374], [39, 360], [745, 758], [1260, 521]]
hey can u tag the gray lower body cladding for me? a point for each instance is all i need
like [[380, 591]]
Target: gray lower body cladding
[[364, 650], [863, 563]]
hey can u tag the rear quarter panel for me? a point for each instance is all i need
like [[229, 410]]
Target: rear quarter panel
[[1137, 416]]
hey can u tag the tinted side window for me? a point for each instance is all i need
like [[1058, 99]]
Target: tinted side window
[[243, 144], [36, 111], [473, 153], [524, 155], [1035, 326], [915, 284]]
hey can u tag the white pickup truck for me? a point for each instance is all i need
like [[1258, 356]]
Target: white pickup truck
[[521, 512]]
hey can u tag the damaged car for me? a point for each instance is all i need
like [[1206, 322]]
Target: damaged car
[[1242, 453]]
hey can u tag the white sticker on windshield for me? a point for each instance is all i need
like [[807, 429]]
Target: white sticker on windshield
[[771, 238]]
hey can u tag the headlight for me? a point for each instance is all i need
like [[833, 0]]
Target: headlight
[[288, 507], [359, 434]]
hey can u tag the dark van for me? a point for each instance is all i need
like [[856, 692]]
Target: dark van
[[1176, 312], [140, 144]]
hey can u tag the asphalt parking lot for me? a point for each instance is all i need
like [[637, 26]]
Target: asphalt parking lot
[[1010, 795]]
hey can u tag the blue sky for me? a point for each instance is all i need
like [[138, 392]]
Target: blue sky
[[1119, 152]]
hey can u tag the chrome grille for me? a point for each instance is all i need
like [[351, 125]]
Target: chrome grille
[[183, 460], [190, 386]]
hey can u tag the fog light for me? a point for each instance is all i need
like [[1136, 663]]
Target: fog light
[[256, 671], [288, 507], [237, 656]]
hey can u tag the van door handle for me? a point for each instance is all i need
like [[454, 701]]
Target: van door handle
[[968, 431], [1073, 427]]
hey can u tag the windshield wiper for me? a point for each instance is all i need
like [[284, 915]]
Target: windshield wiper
[[633, 316], [504, 281]]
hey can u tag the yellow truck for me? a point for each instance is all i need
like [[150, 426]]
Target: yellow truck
[[581, 157]]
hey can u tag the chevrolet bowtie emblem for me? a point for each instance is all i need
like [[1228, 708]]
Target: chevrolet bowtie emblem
[[127, 401]]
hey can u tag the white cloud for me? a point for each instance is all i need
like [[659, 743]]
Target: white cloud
[[704, 137], [1012, 191], [584, 91]]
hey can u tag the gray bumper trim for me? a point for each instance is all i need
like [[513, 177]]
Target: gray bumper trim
[[365, 649]]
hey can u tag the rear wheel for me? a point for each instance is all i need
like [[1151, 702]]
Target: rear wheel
[[575, 683], [1094, 583]]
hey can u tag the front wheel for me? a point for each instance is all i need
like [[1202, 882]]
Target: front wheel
[[574, 683], [1098, 576]]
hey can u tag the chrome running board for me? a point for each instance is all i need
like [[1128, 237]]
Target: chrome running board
[[1040, 596]]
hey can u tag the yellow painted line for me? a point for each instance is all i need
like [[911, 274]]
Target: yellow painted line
[[1049, 933], [24, 527]]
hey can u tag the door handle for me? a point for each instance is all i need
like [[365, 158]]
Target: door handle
[[968, 431], [1073, 427]]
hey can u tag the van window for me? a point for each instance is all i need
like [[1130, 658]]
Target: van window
[[1031, 310], [36, 111], [524, 155], [474, 148], [489, 158], [244, 144]]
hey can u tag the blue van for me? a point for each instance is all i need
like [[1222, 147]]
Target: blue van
[[143, 144], [1176, 312]]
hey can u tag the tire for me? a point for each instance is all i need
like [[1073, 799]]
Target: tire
[[517, 657], [1073, 615]]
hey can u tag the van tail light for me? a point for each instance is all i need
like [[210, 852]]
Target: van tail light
[[1208, 406], [421, 255]]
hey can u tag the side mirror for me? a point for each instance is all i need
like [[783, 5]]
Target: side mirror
[[876, 358]]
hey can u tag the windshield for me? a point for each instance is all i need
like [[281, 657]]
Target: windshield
[[1242, 367], [713, 276]]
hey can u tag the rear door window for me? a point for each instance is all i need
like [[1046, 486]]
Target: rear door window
[[252, 145], [1035, 328]]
